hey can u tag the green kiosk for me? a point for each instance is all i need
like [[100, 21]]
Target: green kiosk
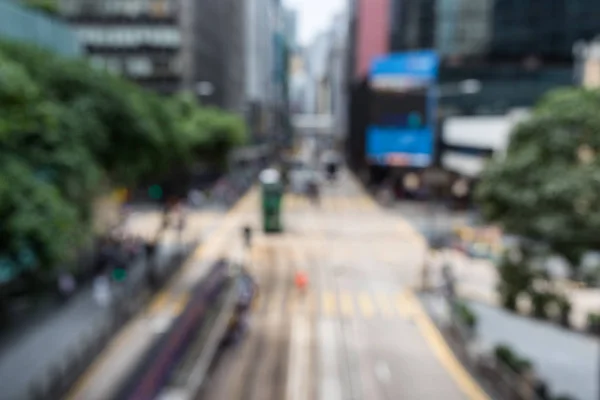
[[272, 194]]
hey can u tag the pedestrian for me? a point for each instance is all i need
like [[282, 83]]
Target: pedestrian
[[313, 191], [247, 232], [247, 292], [66, 285], [102, 291]]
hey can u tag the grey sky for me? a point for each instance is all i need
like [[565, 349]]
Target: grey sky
[[314, 16]]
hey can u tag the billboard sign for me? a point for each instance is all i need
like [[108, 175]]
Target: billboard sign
[[402, 109]]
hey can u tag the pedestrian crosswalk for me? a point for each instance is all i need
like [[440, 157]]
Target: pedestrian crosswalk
[[350, 304], [294, 202]]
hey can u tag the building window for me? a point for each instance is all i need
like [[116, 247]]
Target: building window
[[130, 36], [139, 66]]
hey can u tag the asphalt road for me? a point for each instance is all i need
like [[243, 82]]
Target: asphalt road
[[356, 332]]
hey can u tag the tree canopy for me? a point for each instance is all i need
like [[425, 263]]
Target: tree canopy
[[546, 185], [68, 132]]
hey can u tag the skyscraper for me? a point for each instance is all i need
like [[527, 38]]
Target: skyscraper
[[167, 45], [372, 33], [290, 27]]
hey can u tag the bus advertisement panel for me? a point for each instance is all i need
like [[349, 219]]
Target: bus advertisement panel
[[402, 109]]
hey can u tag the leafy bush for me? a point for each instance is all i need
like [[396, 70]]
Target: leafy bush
[[565, 307], [465, 314], [540, 302], [593, 322], [516, 277], [543, 188], [505, 355]]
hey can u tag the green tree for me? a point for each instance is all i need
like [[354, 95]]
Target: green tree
[[68, 132], [39, 228], [545, 188], [209, 133], [47, 176]]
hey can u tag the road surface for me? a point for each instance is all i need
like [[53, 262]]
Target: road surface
[[357, 332]]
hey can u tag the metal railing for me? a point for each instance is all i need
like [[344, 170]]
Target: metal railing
[[497, 379], [63, 375]]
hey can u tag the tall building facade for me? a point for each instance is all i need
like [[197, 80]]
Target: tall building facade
[[546, 30], [137, 39], [290, 22], [19, 23], [494, 30], [167, 45], [267, 37], [259, 29], [336, 73], [518, 49], [372, 33], [412, 24], [462, 27], [216, 42]]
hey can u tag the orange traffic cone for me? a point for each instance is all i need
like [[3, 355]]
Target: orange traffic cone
[[301, 280]]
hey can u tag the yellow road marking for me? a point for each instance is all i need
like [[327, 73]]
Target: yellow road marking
[[158, 303], [366, 305], [257, 302], [329, 304], [346, 305], [367, 203], [403, 305], [385, 305], [288, 202], [439, 347], [180, 303], [117, 343]]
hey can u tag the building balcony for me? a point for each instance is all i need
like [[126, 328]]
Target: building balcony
[[141, 19], [142, 49], [98, 37], [121, 11]]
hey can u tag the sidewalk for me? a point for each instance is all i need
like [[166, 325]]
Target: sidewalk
[[102, 379], [565, 360], [42, 346], [478, 279]]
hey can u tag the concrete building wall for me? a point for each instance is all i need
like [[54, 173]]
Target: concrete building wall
[[489, 134], [463, 27], [373, 25], [259, 28]]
